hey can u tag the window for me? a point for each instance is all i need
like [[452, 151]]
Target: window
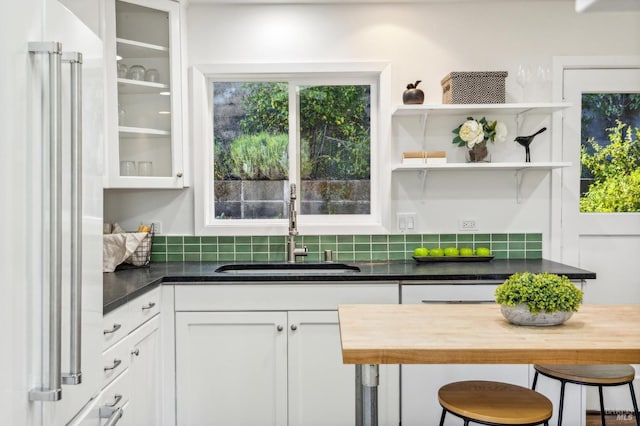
[[610, 153], [317, 130]]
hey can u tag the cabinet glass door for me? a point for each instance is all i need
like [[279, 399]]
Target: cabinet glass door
[[144, 107], [144, 146]]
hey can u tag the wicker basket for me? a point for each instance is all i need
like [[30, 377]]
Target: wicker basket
[[474, 87]]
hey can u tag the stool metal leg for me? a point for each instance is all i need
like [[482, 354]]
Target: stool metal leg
[[601, 406], [561, 407], [535, 381], [444, 413], [635, 403]]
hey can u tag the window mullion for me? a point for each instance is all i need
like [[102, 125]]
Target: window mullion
[[294, 137]]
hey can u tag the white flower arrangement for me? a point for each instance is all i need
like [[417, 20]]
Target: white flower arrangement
[[474, 132]]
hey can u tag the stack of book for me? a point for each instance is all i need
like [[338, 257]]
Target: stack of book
[[424, 157]]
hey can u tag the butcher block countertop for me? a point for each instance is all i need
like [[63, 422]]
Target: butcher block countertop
[[479, 334]]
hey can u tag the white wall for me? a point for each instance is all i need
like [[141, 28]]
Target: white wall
[[420, 41]]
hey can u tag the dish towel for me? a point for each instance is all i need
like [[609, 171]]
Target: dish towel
[[116, 248]]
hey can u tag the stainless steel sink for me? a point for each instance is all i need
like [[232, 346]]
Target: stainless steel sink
[[287, 268]]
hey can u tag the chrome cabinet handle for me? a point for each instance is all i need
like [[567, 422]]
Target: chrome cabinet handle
[[279, 328], [116, 398], [116, 363], [113, 414], [148, 306], [294, 327], [74, 376], [179, 174], [108, 411], [115, 328], [51, 388], [135, 352]]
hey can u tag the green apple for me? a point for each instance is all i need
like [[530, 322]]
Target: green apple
[[451, 251], [466, 251], [483, 251], [420, 252], [436, 251]]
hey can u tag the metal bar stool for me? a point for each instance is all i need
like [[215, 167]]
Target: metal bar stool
[[494, 403], [590, 375]]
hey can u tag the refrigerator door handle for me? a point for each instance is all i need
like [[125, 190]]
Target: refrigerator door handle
[[74, 376], [51, 389]]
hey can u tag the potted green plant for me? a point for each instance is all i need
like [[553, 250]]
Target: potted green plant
[[538, 299]]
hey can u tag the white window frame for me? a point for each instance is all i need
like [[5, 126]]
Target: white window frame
[[376, 74]]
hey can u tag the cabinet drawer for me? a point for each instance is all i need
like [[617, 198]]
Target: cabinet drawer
[[123, 320], [283, 297], [116, 395], [449, 293], [116, 325], [115, 360], [144, 307]]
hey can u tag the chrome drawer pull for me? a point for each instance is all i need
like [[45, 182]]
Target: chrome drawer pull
[[116, 398], [108, 411], [113, 414], [115, 328], [149, 306], [116, 363]]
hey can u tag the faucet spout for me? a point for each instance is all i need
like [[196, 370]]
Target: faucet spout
[[292, 250]]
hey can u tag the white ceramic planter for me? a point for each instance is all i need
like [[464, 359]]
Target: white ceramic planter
[[520, 315]]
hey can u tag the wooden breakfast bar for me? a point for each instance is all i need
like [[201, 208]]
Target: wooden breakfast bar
[[477, 334]]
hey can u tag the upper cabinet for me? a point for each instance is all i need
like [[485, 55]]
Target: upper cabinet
[[145, 131]]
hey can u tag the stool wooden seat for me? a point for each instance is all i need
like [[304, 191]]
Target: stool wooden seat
[[589, 375], [494, 403]]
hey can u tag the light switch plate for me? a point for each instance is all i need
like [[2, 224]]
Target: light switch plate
[[406, 223]]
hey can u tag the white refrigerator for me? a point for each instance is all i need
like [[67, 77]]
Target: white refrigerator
[[51, 95]]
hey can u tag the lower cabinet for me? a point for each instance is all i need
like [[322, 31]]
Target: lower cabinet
[[269, 367], [131, 382], [231, 368], [144, 369], [262, 368]]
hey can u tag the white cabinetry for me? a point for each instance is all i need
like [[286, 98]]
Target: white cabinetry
[[145, 137], [131, 366], [315, 366], [144, 371], [270, 355], [232, 368]]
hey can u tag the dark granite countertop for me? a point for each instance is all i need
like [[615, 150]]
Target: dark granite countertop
[[124, 285]]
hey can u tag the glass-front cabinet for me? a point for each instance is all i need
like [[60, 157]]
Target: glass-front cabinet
[[144, 145]]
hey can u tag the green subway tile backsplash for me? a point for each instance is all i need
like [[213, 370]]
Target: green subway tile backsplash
[[346, 248]]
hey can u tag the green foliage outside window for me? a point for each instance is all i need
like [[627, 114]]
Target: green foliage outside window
[[616, 171], [259, 156], [334, 128]]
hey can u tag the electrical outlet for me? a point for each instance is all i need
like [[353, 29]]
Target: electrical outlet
[[156, 226], [468, 225], [406, 222]]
